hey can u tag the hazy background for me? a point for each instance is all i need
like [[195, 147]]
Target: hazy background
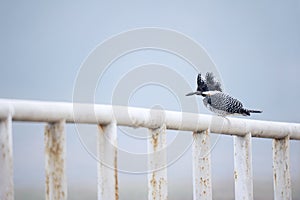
[[255, 46]]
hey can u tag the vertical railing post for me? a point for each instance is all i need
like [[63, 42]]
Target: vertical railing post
[[281, 169], [157, 164], [6, 160], [202, 188], [243, 178], [55, 161], [107, 162]]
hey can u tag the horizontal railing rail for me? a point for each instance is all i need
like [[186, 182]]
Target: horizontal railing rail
[[41, 111], [107, 117]]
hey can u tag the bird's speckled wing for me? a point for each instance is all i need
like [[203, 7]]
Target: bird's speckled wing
[[224, 102]]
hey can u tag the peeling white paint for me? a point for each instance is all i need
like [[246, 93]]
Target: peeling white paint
[[157, 164], [6, 160], [281, 169], [202, 184], [243, 177], [39, 111], [157, 121], [107, 162], [55, 161]]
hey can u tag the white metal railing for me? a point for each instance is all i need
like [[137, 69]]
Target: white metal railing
[[56, 114]]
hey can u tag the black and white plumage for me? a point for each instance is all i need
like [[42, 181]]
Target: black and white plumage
[[217, 101]]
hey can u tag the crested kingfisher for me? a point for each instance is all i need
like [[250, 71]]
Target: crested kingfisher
[[216, 101]]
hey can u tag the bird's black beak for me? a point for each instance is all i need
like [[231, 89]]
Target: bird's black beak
[[192, 93]]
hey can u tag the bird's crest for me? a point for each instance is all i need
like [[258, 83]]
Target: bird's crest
[[201, 84], [207, 84], [212, 83]]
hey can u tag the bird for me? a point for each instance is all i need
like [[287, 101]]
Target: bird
[[216, 100]]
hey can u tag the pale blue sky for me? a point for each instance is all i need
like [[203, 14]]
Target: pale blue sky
[[255, 46]]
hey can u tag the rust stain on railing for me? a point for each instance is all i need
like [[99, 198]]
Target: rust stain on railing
[[235, 175], [153, 184], [6, 160], [56, 184], [281, 169], [108, 162], [116, 175], [157, 177], [201, 165], [55, 161]]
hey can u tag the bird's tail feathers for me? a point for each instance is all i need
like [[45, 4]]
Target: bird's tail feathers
[[255, 111], [247, 112]]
